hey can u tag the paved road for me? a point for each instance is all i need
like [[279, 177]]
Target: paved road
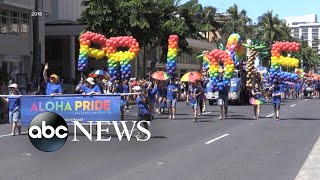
[[238, 148]]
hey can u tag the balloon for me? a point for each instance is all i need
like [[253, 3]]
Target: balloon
[[172, 54]]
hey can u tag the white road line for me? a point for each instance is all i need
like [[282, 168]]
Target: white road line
[[306, 99], [293, 105], [206, 113], [270, 115], [25, 132], [215, 139]]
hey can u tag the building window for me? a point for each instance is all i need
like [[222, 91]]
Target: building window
[[14, 23], [24, 26], [4, 21]]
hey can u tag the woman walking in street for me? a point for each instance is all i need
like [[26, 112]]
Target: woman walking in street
[[14, 108], [276, 100], [256, 101], [144, 112], [192, 96]]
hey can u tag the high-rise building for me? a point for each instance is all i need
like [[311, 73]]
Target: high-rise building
[[306, 28]]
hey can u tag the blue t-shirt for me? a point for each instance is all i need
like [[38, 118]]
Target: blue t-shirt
[[125, 89], [86, 89], [142, 106], [299, 86], [119, 89], [171, 95], [14, 102], [276, 99], [53, 88], [152, 94], [223, 93], [193, 91]]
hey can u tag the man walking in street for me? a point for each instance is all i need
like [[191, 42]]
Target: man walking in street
[[172, 91]]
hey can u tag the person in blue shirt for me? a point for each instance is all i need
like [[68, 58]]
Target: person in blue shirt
[[161, 96], [144, 112], [223, 98], [119, 89], [53, 85], [172, 91], [276, 99], [90, 88], [298, 89], [318, 87], [14, 108], [152, 92], [193, 92]]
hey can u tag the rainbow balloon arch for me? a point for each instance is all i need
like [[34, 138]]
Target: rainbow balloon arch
[[278, 62], [118, 61]]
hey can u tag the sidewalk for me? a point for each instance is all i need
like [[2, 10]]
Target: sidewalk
[[311, 167]]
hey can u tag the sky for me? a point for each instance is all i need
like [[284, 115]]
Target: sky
[[255, 8]]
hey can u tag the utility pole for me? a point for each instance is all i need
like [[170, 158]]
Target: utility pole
[[36, 44]]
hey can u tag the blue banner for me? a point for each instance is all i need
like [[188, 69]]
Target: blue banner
[[72, 108]]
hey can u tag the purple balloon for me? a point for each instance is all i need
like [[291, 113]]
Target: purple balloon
[[127, 76], [274, 80]]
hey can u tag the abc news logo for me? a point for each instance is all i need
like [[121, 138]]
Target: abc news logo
[[48, 131]]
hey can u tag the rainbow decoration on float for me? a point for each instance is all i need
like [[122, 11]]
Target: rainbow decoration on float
[[278, 62], [235, 48], [172, 54], [86, 51], [122, 57], [215, 57], [108, 47]]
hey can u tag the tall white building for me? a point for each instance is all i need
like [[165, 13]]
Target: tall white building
[[305, 28]]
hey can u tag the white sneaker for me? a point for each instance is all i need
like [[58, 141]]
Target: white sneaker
[[12, 134], [170, 117]]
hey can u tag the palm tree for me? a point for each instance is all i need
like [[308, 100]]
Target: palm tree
[[238, 22], [208, 23], [271, 28]]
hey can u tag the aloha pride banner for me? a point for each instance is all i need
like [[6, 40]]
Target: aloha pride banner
[[72, 107]]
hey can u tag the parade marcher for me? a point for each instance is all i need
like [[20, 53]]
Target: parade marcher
[[318, 87], [223, 99], [152, 92], [120, 90], [90, 88], [161, 96], [172, 91], [41, 90], [53, 86], [14, 109], [200, 99], [193, 93], [99, 83], [256, 101], [276, 99], [298, 89], [144, 112]]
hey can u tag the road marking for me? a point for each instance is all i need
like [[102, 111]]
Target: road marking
[[25, 132], [215, 139], [306, 99], [293, 105], [206, 113], [270, 115]]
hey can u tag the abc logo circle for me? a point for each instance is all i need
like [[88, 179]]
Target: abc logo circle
[[48, 131]]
